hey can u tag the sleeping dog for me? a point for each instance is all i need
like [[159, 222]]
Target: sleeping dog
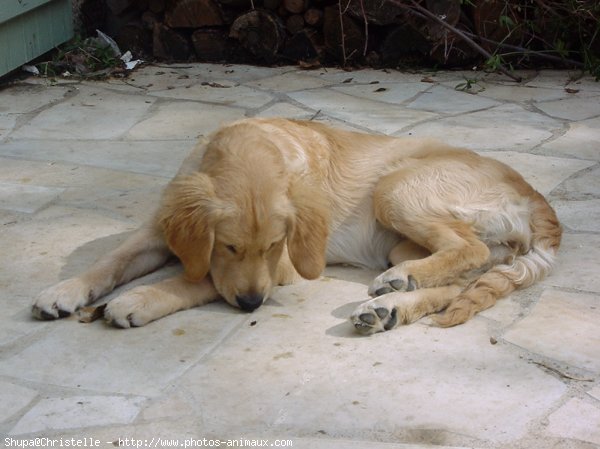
[[263, 202]]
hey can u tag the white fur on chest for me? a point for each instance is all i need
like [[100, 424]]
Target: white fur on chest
[[361, 241]]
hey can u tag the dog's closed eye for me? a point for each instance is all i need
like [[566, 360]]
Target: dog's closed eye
[[232, 249]]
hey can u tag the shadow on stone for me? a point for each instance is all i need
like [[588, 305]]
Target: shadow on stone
[[84, 256], [344, 329]]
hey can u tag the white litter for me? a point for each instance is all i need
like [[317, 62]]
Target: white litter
[[127, 59], [109, 42], [31, 69]]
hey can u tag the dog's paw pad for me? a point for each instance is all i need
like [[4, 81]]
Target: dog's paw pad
[[401, 285], [385, 284], [370, 318]]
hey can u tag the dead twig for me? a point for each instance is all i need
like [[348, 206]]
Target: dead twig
[[342, 34], [563, 374], [463, 36], [364, 14]]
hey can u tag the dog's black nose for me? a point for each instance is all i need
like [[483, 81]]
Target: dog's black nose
[[249, 302]]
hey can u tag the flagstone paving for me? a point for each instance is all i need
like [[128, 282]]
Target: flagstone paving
[[82, 164]]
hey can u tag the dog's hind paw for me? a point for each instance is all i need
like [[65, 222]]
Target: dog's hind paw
[[62, 299], [373, 316], [392, 280]]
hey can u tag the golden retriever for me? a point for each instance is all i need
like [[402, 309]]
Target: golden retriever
[[263, 201]]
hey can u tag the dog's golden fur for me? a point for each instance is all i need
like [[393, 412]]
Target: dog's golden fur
[[264, 201]]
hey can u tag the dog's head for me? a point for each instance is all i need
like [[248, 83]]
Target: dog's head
[[240, 229]]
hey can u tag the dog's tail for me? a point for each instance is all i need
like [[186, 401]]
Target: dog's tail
[[524, 270]]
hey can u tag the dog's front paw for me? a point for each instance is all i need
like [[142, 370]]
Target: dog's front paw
[[62, 299], [131, 309], [374, 316], [392, 280]]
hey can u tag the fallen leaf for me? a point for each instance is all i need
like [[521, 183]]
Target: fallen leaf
[[564, 374], [206, 83], [91, 313], [309, 65]]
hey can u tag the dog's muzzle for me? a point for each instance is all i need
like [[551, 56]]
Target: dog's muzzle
[[249, 302]]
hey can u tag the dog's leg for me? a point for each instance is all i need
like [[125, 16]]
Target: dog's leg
[[146, 303], [143, 252], [415, 203], [393, 309], [407, 250], [455, 250]]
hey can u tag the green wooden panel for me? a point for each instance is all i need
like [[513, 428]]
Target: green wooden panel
[[34, 32], [14, 8]]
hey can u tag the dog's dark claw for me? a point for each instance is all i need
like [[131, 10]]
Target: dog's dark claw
[[130, 319], [63, 313], [43, 315]]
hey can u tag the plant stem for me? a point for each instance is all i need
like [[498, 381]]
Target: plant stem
[[459, 33], [526, 51]]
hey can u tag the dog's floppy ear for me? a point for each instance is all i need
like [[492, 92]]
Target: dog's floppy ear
[[308, 229], [187, 216]]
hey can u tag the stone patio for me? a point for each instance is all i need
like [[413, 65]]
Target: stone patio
[[83, 163]]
